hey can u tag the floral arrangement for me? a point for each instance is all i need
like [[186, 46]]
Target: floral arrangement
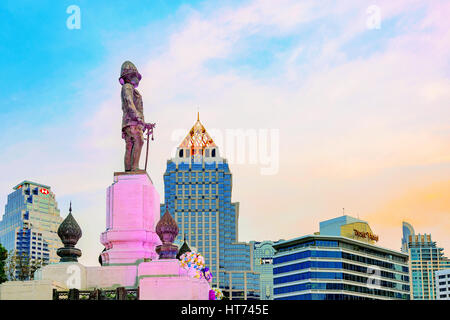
[[192, 260], [193, 265], [207, 274], [218, 293]]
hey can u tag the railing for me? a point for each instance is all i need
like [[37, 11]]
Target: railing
[[120, 293]]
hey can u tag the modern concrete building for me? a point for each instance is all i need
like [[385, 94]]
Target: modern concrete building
[[30, 223], [197, 191], [263, 253], [443, 284], [341, 262], [425, 258]]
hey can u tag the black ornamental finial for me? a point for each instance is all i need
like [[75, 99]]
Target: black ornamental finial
[[184, 248], [69, 232]]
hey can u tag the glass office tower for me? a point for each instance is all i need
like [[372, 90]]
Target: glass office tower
[[197, 191], [30, 223], [408, 231], [425, 259], [341, 262]]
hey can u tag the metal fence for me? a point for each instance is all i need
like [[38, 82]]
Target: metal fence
[[120, 293]]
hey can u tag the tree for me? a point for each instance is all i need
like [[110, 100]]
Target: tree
[[10, 266], [34, 265], [19, 266], [3, 258]]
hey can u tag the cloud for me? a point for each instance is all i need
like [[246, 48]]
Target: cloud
[[422, 205], [354, 128], [426, 207]]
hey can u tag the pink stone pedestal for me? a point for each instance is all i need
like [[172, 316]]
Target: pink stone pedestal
[[132, 212], [161, 280]]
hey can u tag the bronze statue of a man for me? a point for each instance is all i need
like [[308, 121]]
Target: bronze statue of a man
[[133, 115]]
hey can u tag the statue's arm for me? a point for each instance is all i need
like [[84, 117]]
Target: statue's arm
[[127, 96]]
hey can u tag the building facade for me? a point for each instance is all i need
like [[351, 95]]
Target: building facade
[[408, 231], [341, 262], [263, 253], [425, 258], [443, 284], [197, 191], [30, 223]]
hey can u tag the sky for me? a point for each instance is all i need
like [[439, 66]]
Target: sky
[[348, 104]]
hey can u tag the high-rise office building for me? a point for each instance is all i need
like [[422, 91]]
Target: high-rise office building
[[341, 262], [443, 284], [30, 223], [408, 231], [425, 258], [197, 191]]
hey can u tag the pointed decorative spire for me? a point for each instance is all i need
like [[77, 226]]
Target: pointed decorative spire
[[197, 138], [69, 232], [167, 230]]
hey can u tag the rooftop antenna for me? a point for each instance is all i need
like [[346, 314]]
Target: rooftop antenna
[[343, 211]]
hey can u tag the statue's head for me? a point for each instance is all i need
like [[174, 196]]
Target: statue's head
[[129, 74]]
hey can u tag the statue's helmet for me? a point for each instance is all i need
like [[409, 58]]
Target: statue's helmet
[[128, 69]]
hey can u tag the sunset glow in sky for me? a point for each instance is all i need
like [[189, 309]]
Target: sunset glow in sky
[[362, 113]]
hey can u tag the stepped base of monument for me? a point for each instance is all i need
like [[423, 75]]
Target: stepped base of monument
[[129, 246], [156, 280]]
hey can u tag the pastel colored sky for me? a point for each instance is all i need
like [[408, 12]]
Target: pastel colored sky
[[363, 114]]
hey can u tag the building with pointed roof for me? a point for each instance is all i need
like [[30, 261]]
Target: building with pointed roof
[[197, 191], [197, 146]]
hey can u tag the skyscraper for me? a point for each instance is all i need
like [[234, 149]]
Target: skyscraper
[[408, 231], [197, 191], [425, 258], [30, 222]]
